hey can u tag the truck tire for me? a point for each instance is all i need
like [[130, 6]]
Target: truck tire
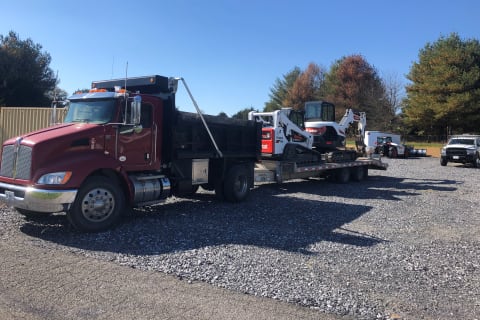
[[443, 161], [392, 153], [476, 162], [342, 175], [98, 205], [236, 187]]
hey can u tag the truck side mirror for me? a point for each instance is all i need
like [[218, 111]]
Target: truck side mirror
[[136, 110]]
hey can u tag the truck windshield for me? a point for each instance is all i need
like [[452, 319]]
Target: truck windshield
[[462, 141], [90, 111], [382, 140]]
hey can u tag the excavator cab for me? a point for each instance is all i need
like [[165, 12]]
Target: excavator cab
[[319, 111]]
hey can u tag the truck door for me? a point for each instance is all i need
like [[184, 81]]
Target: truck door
[[135, 145]]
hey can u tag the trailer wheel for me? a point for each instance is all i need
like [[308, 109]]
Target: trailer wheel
[[358, 173], [98, 205], [236, 186], [342, 175]]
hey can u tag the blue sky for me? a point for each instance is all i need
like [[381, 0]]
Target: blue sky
[[231, 52]]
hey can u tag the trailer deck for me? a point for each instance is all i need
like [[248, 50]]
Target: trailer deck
[[280, 171]]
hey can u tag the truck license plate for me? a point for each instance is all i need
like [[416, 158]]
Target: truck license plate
[[456, 157], [9, 197]]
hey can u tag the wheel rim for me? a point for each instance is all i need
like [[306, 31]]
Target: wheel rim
[[98, 205], [240, 185]]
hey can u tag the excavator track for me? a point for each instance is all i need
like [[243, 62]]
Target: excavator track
[[339, 156]]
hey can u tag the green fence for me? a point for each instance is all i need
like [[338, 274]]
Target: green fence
[[17, 121]]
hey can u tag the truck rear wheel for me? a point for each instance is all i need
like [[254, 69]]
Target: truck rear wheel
[[236, 187], [98, 205]]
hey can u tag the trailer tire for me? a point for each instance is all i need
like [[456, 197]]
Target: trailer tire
[[358, 173], [236, 187], [98, 205], [342, 175]]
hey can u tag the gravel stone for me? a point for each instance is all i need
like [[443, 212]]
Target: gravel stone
[[403, 244]]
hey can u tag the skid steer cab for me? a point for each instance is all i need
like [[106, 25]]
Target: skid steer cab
[[282, 128]]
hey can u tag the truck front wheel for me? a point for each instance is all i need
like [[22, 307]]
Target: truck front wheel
[[476, 162], [98, 205], [443, 161], [392, 153], [236, 186]]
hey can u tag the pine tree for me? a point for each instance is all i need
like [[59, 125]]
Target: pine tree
[[444, 96]]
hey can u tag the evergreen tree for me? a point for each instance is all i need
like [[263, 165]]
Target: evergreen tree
[[444, 95], [243, 114], [25, 76], [280, 90]]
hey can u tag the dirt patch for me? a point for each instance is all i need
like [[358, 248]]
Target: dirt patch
[[433, 152]]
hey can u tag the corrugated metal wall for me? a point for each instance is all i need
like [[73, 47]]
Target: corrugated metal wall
[[17, 121]]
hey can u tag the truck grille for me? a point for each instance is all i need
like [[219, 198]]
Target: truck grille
[[456, 152], [16, 165]]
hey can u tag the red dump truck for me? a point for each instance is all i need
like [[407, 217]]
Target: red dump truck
[[124, 144]]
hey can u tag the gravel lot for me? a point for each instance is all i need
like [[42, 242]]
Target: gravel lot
[[402, 245]]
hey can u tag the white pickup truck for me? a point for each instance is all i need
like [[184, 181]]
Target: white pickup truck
[[462, 149]]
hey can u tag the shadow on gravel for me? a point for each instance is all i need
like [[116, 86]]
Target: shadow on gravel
[[287, 217], [282, 223], [376, 187]]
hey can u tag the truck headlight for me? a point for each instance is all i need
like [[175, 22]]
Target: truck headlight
[[55, 178], [443, 152], [470, 151]]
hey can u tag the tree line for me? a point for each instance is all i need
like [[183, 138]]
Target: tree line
[[442, 96]]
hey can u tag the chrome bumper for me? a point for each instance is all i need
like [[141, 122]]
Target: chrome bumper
[[37, 200]]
